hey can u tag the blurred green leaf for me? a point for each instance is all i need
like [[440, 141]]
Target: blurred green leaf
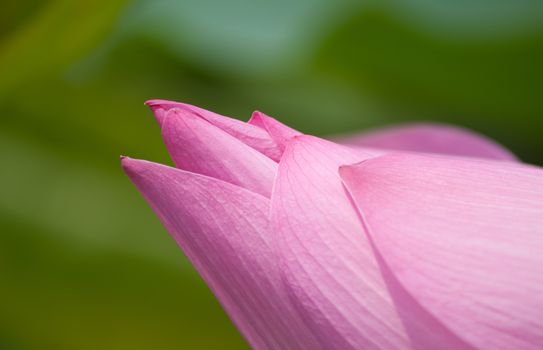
[[59, 296], [492, 85], [52, 38]]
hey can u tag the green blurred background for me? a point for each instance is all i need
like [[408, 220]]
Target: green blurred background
[[84, 264]]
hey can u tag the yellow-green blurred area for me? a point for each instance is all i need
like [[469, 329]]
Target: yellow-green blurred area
[[84, 263]]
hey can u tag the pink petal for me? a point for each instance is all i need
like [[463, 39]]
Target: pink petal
[[223, 230], [329, 265], [251, 135], [464, 237], [279, 132], [257, 120], [432, 138], [197, 146]]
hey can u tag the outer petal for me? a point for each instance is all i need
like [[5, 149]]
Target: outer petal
[[251, 135], [432, 138], [198, 146], [328, 263], [279, 132], [464, 237], [223, 230]]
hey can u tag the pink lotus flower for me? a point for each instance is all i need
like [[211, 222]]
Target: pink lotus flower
[[419, 237]]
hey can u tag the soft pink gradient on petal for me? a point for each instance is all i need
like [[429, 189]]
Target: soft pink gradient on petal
[[431, 138], [223, 230], [328, 263], [198, 146], [257, 120], [408, 252], [251, 135], [279, 132], [464, 237]]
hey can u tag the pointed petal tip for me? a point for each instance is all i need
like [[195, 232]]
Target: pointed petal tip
[[257, 120], [134, 167], [127, 163], [182, 112], [158, 112], [156, 102], [256, 115], [177, 121], [156, 105], [160, 108], [279, 132], [124, 160], [347, 171]]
